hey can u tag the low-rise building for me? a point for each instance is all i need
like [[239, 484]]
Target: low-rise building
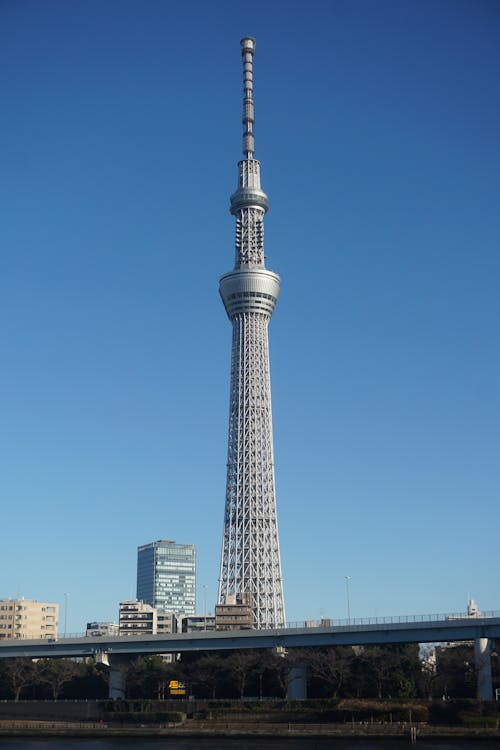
[[101, 628], [138, 618], [235, 613], [198, 623], [166, 623]]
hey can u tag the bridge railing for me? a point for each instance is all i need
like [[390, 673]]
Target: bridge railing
[[328, 622], [354, 622]]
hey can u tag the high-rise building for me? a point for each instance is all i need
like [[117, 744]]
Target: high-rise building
[[250, 559], [28, 618], [166, 576]]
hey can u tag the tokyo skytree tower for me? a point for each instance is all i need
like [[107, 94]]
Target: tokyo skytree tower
[[250, 559]]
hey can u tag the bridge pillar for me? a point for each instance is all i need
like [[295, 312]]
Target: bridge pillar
[[101, 657], [118, 668], [482, 661], [297, 683]]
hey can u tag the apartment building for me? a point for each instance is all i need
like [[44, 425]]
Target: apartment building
[[28, 618]]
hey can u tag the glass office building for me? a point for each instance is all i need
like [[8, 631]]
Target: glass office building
[[166, 576]]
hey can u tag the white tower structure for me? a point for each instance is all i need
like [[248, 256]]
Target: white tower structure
[[250, 559]]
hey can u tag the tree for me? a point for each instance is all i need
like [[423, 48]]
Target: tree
[[56, 673], [18, 674], [279, 664], [147, 676], [240, 665], [388, 671], [207, 671], [331, 666], [455, 671], [91, 681], [428, 674]]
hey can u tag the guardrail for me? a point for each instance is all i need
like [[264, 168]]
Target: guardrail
[[327, 622], [353, 622]]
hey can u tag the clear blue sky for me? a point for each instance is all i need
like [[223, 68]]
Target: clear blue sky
[[378, 129]]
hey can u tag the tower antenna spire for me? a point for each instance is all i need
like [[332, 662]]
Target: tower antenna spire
[[247, 51]]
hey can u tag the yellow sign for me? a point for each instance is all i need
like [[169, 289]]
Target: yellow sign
[[176, 688]]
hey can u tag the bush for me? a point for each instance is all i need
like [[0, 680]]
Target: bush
[[139, 712], [448, 712], [146, 717], [381, 711], [121, 705], [475, 720], [315, 704]]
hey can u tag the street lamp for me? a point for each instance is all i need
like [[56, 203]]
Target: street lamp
[[66, 596], [204, 606], [347, 579]]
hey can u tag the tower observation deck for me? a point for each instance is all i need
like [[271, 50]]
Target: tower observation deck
[[250, 559]]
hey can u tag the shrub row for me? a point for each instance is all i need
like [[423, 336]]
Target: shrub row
[[146, 717]]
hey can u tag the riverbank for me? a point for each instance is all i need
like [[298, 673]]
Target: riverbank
[[48, 729]]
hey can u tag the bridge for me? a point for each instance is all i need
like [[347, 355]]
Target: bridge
[[117, 650]]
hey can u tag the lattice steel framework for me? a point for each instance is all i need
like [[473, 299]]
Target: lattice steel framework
[[250, 559]]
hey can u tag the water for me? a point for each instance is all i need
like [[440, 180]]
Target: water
[[244, 744]]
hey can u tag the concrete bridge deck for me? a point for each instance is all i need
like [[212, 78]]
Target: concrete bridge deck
[[449, 629]]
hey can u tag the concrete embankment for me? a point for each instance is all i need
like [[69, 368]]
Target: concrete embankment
[[231, 729]]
